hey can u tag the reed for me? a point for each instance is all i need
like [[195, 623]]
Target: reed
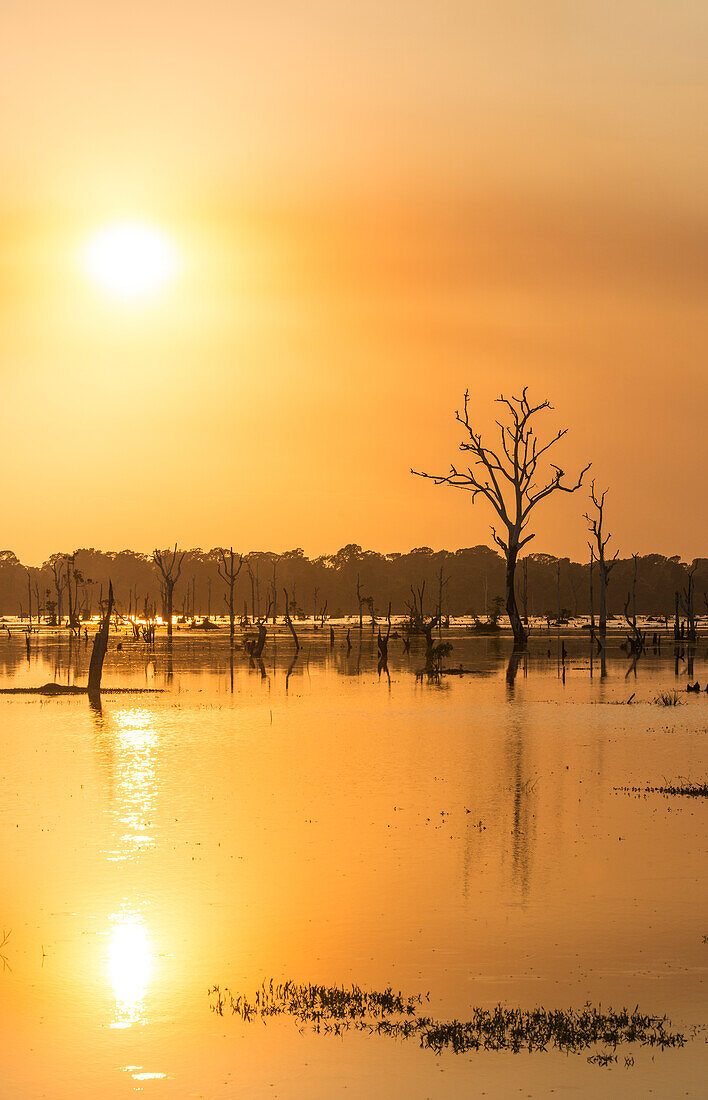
[[336, 1009]]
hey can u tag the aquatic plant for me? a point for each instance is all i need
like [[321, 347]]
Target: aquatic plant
[[668, 699], [336, 1009], [683, 786]]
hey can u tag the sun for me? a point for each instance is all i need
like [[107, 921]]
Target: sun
[[130, 260]]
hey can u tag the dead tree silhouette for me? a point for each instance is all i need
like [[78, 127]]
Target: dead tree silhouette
[[274, 589], [170, 568], [289, 621], [636, 638], [255, 646], [418, 622], [360, 600], [58, 573], [442, 585], [70, 562], [100, 645], [383, 643], [255, 592], [687, 600], [228, 573], [506, 479], [598, 548]]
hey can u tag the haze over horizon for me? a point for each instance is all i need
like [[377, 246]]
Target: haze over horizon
[[372, 210]]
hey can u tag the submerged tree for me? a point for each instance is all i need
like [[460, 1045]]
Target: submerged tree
[[506, 478], [170, 568], [56, 563], [418, 622], [70, 564], [636, 637], [687, 600], [229, 571], [605, 564]]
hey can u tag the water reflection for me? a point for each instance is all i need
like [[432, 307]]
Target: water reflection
[[135, 744], [441, 832], [161, 666], [129, 968], [523, 804]]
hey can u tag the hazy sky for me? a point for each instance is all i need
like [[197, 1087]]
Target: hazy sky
[[376, 205]]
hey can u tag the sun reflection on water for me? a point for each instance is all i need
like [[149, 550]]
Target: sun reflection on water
[[135, 746], [129, 968]]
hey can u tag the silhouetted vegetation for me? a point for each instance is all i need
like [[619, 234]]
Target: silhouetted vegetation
[[475, 578], [668, 699], [170, 567], [510, 480], [683, 787], [336, 1009], [598, 548]]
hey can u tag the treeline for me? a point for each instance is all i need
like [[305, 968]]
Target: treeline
[[466, 582]]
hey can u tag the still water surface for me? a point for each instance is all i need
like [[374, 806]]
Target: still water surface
[[461, 838]]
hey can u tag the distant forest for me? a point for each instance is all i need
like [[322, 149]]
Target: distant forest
[[465, 582]]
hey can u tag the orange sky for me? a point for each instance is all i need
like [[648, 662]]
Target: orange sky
[[377, 205]]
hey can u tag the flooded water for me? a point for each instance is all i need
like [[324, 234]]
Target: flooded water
[[317, 822]]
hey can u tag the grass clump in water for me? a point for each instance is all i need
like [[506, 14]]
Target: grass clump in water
[[668, 699], [684, 786], [335, 1009], [687, 787]]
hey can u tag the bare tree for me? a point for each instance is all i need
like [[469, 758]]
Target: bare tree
[[442, 585], [170, 567], [688, 601], [289, 621], [598, 548], [360, 600], [636, 637], [255, 591], [229, 571], [383, 642], [254, 646], [58, 572], [73, 610], [418, 622], [100, 645], [274, 591], [506, 478]]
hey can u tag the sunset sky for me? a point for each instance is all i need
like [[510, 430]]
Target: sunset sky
[[366, 208]]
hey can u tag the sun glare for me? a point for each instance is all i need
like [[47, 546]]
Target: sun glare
[[130, 260], [129, 968]]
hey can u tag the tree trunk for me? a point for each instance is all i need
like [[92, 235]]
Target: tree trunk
[[168, 610], [603, 600], [260, 643], [289, 622], [100, 644], [517, 626]]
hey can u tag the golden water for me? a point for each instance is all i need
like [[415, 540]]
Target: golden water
[[315, 827]]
